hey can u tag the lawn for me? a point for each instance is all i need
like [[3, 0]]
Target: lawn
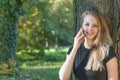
[[37, 70], [46, 69]]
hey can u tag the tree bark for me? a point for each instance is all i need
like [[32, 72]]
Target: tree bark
[[9, 14], [111, 10]]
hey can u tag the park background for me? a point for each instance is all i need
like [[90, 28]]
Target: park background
[[36, 34], [41, 32]]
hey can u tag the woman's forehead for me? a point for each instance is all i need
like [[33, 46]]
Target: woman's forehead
[[90, 19]]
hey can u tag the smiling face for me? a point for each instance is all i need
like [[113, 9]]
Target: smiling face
[[90, 26]]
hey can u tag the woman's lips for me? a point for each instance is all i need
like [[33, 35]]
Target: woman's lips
[[89, 34]]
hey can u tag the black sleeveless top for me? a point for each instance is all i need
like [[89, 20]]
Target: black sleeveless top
[[81, 60]]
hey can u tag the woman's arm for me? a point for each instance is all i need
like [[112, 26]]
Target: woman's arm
[[112, 69], [66, 69]]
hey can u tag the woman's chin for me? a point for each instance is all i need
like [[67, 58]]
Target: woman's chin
[[90, 37]]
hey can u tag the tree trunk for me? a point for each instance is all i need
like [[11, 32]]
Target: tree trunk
[[111, 10], [9, 13]]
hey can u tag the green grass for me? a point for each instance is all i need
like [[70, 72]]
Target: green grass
[[41, 70], [37, 70]]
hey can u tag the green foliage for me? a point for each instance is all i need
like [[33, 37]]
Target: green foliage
[[25, 55], [43, 24], [9, 14], [55, 54], [54, 57], [46, 23], [51, 54]]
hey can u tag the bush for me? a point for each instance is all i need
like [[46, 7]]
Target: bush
[[54, 57], [55, 54], [50, 54]]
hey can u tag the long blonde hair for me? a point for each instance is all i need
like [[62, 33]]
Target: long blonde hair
[[101, 43]]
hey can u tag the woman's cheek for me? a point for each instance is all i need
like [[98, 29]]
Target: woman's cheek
[[84, 29]]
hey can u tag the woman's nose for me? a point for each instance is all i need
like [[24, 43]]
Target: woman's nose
[[90, 28]]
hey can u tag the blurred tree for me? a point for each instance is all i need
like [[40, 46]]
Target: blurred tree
[[45, 24], [9, 14], [111, 10]]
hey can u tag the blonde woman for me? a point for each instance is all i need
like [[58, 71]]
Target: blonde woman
[[92, 56]]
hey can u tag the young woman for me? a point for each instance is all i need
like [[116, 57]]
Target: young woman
[[92, 56]]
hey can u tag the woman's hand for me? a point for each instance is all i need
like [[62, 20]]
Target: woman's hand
[[78, 39], [67, 67]]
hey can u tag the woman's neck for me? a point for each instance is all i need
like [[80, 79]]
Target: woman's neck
[[88, 43]]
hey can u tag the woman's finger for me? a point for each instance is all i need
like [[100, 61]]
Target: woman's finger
[[81, 37], [77, 41], [79, 33]]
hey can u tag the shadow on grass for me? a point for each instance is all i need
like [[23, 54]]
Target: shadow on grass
[[41, 74]]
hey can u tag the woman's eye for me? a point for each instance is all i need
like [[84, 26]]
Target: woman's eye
[[87, 24], [95, 26]]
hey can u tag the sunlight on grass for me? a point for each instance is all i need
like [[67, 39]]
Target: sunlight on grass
[[62, 49], [46, 69], [41, 65], [38, 70]]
